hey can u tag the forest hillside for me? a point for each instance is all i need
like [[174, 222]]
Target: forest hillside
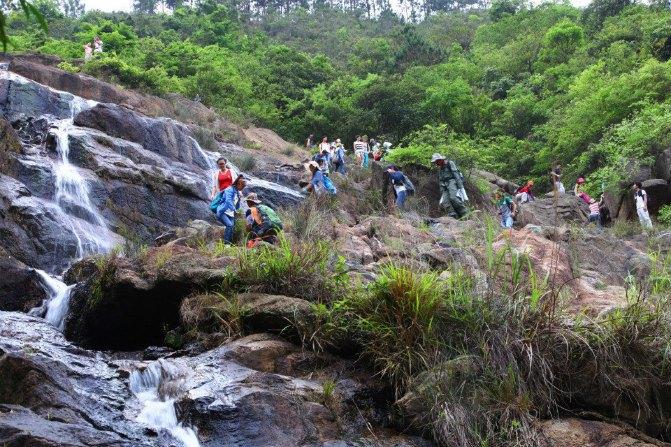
[[507, 86]]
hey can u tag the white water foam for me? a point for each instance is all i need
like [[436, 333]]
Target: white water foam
[[158, 412], [58, 303]]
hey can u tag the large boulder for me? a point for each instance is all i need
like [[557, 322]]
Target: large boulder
[[123, 303], [20, 97], [163, 136], [21, 287], [550, 211]]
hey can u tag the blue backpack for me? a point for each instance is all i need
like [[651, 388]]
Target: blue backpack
[[329, 186], [214, 204]]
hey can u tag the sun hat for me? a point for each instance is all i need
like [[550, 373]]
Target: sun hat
[[337, 140], [253, 197], [436, 157], [313, 164]]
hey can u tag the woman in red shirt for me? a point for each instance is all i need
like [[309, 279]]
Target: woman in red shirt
[[224, 177]]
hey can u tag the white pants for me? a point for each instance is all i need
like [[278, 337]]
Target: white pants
[[644, 217], [560, 187], [522, 197]]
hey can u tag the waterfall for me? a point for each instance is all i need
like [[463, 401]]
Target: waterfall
[[55, 308], [73, 197], [158, 411]]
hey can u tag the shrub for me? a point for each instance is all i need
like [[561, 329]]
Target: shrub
[[664, 215], [213, 313], [245, 162]]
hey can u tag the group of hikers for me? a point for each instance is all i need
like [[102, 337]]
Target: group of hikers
[[599, 213], [91, 48], [333, 153], [263, 224]]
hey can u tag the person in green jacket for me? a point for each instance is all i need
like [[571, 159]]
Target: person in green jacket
[[452, 193]]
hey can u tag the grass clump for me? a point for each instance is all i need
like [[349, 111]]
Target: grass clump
[[307, 270], [213, 313], [244, 162]]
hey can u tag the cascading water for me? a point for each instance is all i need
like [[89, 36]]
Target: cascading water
[[158, 412], [72, 195]]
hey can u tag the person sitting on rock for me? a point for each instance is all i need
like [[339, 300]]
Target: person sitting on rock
[[399, 181], [264, 224], [452, 194], [506, 207], [316, 184], [223, 178], [641, 199], [524, 193], [230, 204], [595, 211], [578, 190]]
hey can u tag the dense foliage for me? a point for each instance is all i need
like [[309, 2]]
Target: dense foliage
[[512, 88]]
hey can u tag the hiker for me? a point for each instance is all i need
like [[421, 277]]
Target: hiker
[[377, 152], [319, 183], [366, 152], [230, 203], [595, 211], [578, 190], [507, 208], [339, 158], [641, 199], [523, 194], [224, 177], [359, 149], [324, 163], [88, 52], [263, 224], [324, 145], [452, 193], [97, 45], [402, 185], [555, 174], [310, 142]]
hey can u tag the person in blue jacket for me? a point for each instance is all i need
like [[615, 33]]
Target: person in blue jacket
[[230, 203], [398, 182]]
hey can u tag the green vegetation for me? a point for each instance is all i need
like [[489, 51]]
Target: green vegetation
[[512, 88]]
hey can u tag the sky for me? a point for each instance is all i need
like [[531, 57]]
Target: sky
[[127, 5]]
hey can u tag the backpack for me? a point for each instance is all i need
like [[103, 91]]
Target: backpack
[[455, 171], [270, 217], [214, 204], [409, 187], [329, 186]]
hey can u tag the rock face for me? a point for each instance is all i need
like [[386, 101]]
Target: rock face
[[126, 305], [73, 190], [20, 286], [61, 395], [546, 211], [581, 433]]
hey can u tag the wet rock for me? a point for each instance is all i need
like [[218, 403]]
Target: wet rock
[[33, 230], [20, 286], [160, 135], [55, 394], [21, 97]]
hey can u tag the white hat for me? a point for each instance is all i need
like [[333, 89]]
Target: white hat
[[337, 140], [437, 157]]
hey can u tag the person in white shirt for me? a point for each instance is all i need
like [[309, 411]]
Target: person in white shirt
[[360, 148], [324, 145], [641, 199]]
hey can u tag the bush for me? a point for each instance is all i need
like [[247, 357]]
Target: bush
[[213, 313], [664, 215]]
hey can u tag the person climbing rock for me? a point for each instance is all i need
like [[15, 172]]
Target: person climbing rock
[[579, 192], [230, 203], [595, 211], [264, 224], [339, 160], [224, 177], [310, 142], [524, 194], [324, 145], [402, 185], [506, 207], [452, 194], [359, 149], [641, 199]]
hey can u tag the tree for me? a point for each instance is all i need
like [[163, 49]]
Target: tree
[[72, 8], [145, 6], [599, 10], [29, 9]]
